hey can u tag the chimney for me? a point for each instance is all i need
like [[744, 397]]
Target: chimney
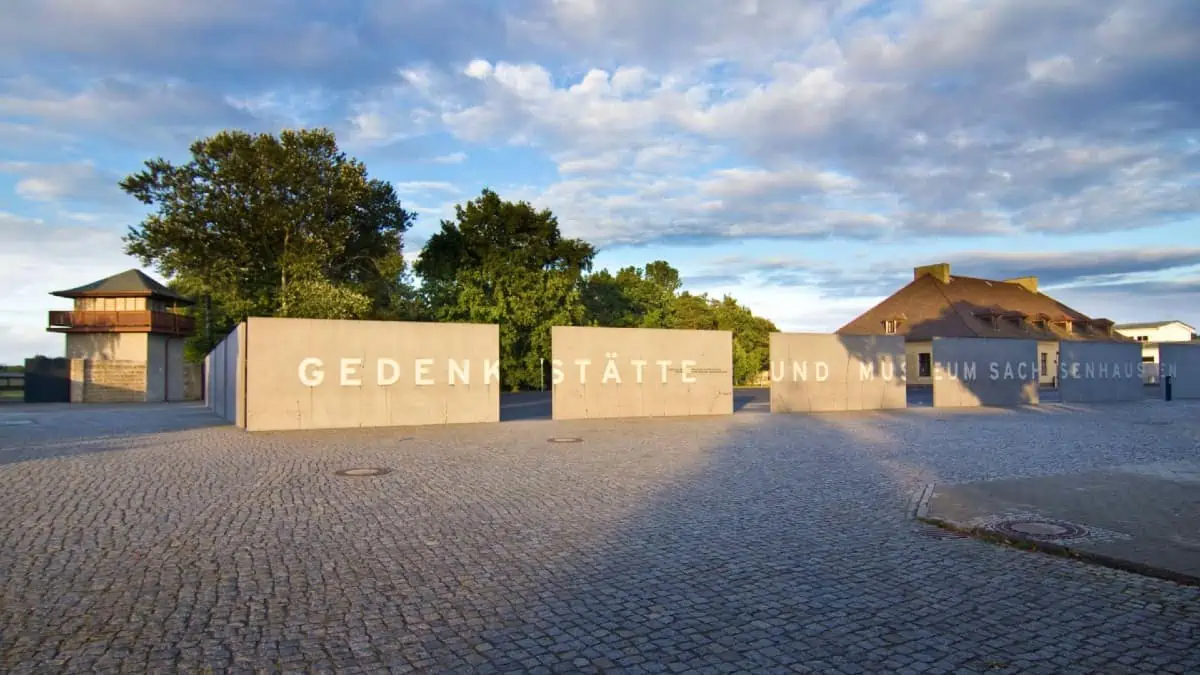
[[939, 271], [1028, 283]]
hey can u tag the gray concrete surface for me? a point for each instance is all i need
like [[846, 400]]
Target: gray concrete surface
[[1094, 372], [970, 372], [763, 543], [1182, 363], [328, 374], [1139, 517], [606, 373], [824, 372]]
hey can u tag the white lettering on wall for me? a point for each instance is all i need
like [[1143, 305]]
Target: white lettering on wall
[[583, 364], [387, 380], [557, 376], [348, 372], [610, 369], [686, 367], [663, 366], [800, 371], [777, 376], [387, 371], [968, 371], [639, 365], [460, 372], [822, 371], [421, 372], [314, 378]]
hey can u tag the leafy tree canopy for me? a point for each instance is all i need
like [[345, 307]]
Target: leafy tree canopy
[[268, 225], [507, 263]]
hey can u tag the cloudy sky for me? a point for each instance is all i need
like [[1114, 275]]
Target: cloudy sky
[[803, 155]]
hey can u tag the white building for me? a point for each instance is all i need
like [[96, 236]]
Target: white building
[[1151, 334]]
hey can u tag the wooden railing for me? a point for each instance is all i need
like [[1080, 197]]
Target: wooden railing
[[117, 322]]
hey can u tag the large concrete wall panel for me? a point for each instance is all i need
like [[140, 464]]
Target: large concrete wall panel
[[640, 372], [1094, 372], [176, 390], [973, 372], [325, 374], [224, 380], [823, 372], [156, 369], [1180, 362]]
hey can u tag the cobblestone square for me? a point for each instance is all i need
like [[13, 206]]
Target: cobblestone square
[[151, 539]]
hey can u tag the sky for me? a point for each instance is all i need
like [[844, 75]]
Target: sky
[[800, 156]]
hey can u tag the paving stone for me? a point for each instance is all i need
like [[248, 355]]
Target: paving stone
[[145, 538]]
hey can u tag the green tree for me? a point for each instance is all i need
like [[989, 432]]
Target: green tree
[[751, 338], [506, 263], [652, 297], [267, 225]]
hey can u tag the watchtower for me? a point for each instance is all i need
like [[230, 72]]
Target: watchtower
[[127, 334]]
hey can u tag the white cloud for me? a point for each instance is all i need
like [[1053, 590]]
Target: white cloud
[[450, 158], [40, 257], [79, 181]]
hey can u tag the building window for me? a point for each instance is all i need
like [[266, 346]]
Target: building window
[[889, 326], [1043, 368], [924, 364], [1147, 359], [1143, 338]]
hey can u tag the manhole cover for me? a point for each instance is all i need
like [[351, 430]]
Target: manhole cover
[[359, 473], [1050, 530], [565, 439]]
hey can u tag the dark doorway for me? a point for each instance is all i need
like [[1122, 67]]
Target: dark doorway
[[47, 380]]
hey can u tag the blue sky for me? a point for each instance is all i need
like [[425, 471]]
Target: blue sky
[[803, 157]]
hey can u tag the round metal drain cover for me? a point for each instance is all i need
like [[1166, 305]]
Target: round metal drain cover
[[1051, 530], [565, 439], [362, 473]]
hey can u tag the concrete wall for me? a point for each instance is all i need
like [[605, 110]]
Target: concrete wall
[[819, 372], [156, 368], [640, 372], [971, 372], [225, 368], [1092, 372], [176, 379], [321, 374], [115, 346], [1180, 361], [912, 350]]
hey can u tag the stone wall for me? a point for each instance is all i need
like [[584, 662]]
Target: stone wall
[[105, 381]]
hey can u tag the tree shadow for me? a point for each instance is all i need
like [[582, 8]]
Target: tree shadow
[[45, 431], [764, 543]]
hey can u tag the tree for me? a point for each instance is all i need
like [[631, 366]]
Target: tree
[[650, 297], [506, 263], [273, 226]]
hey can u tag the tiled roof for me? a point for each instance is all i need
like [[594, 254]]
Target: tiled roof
[[972, 307], [129, 283]]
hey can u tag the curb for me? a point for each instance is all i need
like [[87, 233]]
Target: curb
[[1030, 544]]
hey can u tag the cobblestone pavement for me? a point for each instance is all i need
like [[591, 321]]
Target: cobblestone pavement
[[765, 543]]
